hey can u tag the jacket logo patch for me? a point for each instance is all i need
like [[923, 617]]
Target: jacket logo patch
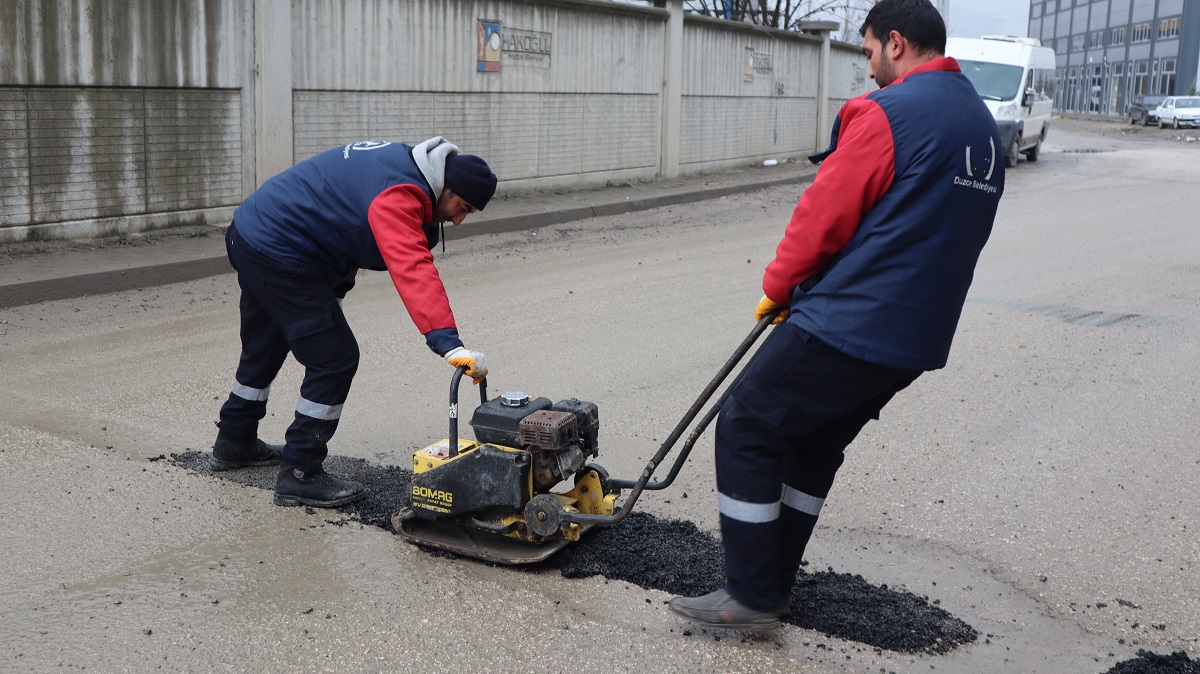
[[991, 164], [984, 185], [364, 145]]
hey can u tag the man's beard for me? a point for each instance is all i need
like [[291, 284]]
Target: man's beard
[[885, 74]]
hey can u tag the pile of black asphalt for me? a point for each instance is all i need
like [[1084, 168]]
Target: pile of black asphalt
[[672, 556], [677, 558], [1153, 663]]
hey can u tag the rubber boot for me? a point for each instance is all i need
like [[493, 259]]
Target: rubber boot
[[315, 488], [229, 453]]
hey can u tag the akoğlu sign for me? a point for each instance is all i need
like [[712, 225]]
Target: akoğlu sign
[[495, 44]]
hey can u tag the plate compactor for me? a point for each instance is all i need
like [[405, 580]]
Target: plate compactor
[[524, 488]]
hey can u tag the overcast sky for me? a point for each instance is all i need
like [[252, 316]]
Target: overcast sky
[[972, 18]]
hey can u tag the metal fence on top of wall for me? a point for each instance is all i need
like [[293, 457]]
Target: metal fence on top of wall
[[130, 115]]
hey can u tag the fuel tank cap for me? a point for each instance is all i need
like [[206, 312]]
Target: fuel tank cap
[[514, 399]]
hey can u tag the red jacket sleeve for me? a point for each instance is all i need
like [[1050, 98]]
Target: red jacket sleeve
[[396, 216], [849, 183]]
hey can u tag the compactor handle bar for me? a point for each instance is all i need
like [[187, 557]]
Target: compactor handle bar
[[454, 381], [643, 482]]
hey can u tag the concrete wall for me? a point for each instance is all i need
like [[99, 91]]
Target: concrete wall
[[747, 94], [121, 116], [586, 100], [128, 115]]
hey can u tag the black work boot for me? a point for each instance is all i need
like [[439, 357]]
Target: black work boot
[[229, 454], [315, 488]]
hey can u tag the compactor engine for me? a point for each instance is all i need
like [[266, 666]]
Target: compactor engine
[[524, 447]]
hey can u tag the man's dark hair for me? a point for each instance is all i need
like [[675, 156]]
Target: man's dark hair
[[917, 20]]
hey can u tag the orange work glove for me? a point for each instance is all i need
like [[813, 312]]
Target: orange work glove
[[766, 306], [472, 360]]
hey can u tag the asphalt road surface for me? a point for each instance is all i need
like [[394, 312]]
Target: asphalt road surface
[[1041, 489]]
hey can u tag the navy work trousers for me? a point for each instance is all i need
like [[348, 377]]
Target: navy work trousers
[[780, 440], [285, 312]]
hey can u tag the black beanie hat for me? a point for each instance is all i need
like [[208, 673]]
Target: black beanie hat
[[469, 177]]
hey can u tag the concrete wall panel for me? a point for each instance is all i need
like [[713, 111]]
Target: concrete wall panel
[[193, 149], [128, 43], [430, 45], [748, 94], [126, 115], [85, 158], [847, 75], [732, 129], [14, 157], [718, 54], [75, 153], [522, 137]]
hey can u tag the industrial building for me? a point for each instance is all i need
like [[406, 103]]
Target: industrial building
[[1109, 51]]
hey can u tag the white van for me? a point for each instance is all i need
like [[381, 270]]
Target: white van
[[1015, 78]]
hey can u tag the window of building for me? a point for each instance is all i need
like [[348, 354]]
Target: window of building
[[1140, 70], [1096, 39], [1072, 102], [1166, 77], [1114, 95], [1141, 32], [1117, 36], [1168, 28], [1077, 42], [1096, 89], [1036, 9]]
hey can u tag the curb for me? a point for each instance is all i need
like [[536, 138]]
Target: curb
[[514, 223], [100, 283], [133, 278]]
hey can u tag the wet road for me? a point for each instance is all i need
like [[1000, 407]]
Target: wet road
[[1041, 489]]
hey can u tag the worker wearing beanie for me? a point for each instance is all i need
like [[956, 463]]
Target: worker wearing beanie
[[297, 244]]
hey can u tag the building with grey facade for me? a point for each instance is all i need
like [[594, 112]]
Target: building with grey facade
[[1109, 51]]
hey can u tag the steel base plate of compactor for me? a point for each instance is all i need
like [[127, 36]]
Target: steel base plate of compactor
[[445, 535]]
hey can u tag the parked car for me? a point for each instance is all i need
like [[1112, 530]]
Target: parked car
[[1178, 111], [1141, 109]]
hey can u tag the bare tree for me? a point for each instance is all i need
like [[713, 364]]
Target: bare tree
[[787, 14]]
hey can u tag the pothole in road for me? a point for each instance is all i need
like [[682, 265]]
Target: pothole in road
[[675, 557]]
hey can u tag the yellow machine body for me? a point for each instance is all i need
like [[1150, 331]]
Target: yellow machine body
[[586, 496]]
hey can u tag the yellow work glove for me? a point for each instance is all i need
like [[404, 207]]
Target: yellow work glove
[[766, 306], [472, 360]]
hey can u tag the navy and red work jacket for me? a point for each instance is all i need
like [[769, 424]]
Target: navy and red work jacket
[[881, 248], [364, 205]]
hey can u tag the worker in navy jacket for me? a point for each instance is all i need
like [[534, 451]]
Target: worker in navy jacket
[[871, 276], [297, 244]]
